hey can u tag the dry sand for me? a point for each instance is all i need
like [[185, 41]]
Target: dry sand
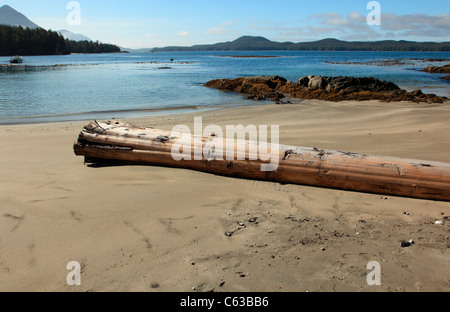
[[143, 228]]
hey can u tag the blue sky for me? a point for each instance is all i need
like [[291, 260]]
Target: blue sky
[[139, 24]]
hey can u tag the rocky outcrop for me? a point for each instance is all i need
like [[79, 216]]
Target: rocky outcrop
[[437, 70], [320, 87], [347, 84], [257, 87]]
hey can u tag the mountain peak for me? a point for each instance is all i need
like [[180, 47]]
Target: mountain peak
[[253, 43], [71, 36], [9, 16], [330, 40], [252, 39], [7, 7]]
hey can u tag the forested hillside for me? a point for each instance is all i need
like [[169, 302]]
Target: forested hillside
[[16, 40], [261, 43]]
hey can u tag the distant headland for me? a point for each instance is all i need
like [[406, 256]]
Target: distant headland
[[251, 43]]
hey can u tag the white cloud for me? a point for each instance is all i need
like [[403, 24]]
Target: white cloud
[[220, 29], [354, 27], [331, 18], [416, 24], [356, 17], [183, 33]]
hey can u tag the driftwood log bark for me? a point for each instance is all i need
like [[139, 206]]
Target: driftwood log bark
[[116, 141]]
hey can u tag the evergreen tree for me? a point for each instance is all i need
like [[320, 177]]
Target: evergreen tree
[[16, 40]]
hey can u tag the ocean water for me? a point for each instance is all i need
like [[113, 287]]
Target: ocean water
[[103, 86]]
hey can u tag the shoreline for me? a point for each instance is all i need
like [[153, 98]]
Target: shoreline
[[152, 112], [156, 229], [185, 110]]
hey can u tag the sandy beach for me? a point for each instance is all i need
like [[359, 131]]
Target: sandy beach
[[154, 229]]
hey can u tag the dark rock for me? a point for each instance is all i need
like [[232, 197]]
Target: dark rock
[[303, 82], [417, 93], [438, 70], [351, 84], [406, 244], [257, 87], [323, 88], [270, 81]]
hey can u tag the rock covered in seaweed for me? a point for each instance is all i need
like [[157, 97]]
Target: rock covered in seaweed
[[321, 87], [438, 70], [257, 87]]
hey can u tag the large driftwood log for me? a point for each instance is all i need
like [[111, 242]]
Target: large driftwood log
[[297, 165]]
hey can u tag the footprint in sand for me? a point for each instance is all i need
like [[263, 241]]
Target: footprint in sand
[[75, 215], [17, 220], [145, 239]]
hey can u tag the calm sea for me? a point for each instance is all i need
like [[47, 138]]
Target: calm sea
[[103, 86]]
